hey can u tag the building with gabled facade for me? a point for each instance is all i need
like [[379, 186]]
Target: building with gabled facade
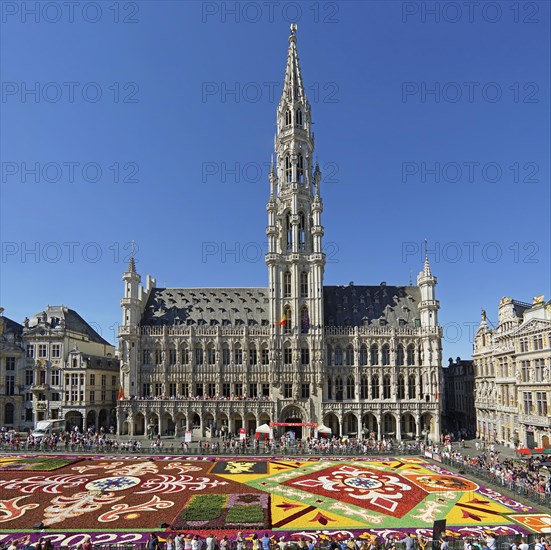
[[512, 374], [359, 359], [70, 371], [12, 357], [459, 415]]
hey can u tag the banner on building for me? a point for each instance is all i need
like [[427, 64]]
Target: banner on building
[[242, 434], [187, 437]]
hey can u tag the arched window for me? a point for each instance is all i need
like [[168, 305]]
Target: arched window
[[288, 326], [363, 355], [338, 389], [350, 388], [400, 355], [304, 321], [288, 169], [287, 284], [411, 355], [226, 356], [300, 168], [211, 355], [374, 352], [349, 356], [288, 120], [386, 354], [338, 356], [253, 355], [9, 413], [299, 117], [301, 230], [289, 231], [329, 357], [329, 389], [185, 355], [237, 354], [375, 387], [198, 355], [363, 387], [304, 284], [386, 386], [401, 387], [287, 354], [305, 355], [265, 355]]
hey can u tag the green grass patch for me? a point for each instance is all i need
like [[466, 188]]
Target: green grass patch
[[252, 513]]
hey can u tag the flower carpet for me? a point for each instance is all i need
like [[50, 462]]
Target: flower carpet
[[122, 499]]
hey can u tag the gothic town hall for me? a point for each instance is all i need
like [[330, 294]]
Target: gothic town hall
[[356, 359]]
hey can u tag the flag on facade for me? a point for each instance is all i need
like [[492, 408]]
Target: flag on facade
[[283, 320], [121, 394], [436, 394]]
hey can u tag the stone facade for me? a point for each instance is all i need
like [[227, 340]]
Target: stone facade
[[459, 412], [12, 356], [358, 359], [69, 372], [512, 364]]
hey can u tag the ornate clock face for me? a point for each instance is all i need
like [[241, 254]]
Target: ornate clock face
[[125, 368]]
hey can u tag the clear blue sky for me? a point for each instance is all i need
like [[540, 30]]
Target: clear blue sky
[[167, 120]]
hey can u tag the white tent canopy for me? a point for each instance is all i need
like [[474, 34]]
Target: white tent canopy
[[323, 429], [263, 429]]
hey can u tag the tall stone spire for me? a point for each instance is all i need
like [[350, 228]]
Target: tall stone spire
[[295, 258], [426, 267], [293, 89]]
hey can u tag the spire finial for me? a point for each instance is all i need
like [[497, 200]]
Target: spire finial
[[293, 32], [132, 263], [426, 267]]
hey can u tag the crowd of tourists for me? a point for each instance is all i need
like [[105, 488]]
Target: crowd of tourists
[[104, 441], [404, 541], [202, 397], [531, 475]]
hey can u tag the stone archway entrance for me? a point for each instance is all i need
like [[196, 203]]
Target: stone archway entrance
[[292, 415], [74, 419]]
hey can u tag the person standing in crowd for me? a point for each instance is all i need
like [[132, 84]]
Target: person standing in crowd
[[239, 542], [153, 542], [409, 542], [266, 542], [210, 542]]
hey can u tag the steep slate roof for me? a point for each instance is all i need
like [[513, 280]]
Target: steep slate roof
[[73, 322], [11, 326], [343, 306], [520, 307], [353, 305], [207, 306]]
